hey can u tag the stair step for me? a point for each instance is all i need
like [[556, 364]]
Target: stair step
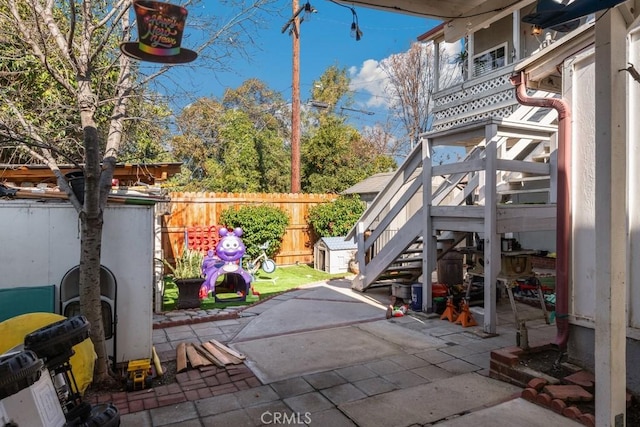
[[412, 251], [400, 268], [529, 179], [537, 190], [413, 259]]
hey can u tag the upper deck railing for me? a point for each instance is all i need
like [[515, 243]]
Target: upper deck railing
[[490, 95]]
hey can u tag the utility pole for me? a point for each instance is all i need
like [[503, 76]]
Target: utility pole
[[295, 102]]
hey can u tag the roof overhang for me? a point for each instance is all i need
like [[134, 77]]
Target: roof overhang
[[149, 173], [462, 16], [544, 69]]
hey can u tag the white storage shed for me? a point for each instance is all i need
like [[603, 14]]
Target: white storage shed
[[40, 252]]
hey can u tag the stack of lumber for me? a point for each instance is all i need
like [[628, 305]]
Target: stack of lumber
[[206, 354]]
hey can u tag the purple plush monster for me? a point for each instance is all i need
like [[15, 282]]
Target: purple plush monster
[[230, 247], [230, 250]]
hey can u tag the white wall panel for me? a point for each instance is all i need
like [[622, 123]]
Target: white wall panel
[[40, 242]]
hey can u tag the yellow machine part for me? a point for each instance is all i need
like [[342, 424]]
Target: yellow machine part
[[13, 331]]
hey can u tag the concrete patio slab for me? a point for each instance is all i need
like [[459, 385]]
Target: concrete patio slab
[[297, 315], [428, 403], [282, 357], [516, 412], [340, 290], [407, 339]]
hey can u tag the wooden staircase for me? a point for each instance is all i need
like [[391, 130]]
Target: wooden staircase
[[505, 183]]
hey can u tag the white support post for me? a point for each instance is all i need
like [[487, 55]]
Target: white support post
[[358, 282], [470, 54], [429, 247], [610, 219], [492, 262], [516, 36], [633, 163], [436, 65]]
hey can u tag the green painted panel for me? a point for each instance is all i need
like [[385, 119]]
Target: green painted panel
[[33, 299]]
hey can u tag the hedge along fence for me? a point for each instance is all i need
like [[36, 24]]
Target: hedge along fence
[[203, 210]]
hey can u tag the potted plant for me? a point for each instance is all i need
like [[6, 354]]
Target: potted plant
[[187, 275]]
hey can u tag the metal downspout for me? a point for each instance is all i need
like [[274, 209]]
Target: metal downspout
[[563, 212]]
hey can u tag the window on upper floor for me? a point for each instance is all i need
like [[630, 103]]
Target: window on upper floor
[[490, 60]]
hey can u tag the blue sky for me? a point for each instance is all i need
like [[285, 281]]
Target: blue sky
[[325, 40]]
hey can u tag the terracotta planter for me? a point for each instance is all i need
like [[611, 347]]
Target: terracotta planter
[[189, 293]]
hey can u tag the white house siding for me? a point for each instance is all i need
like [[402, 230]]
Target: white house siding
[[579, 89], [41, 242], [633, 294], [579, 85], [634, 186]]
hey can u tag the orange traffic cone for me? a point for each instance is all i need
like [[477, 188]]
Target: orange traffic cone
[[450, 312], [465, 319]]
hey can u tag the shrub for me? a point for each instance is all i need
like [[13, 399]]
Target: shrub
[[336, 218], [259, 223]]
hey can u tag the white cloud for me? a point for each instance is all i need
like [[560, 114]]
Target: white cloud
[[369, 81], [372, 80]]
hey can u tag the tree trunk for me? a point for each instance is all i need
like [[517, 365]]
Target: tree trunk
[[91, 218], [90, 303]]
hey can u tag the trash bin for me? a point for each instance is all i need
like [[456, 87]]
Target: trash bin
[[416, 297], [76, 182]]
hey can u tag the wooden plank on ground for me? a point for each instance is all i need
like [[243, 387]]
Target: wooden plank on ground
[[194, 358], [208, 356], [216, 353], [226, 358], [181, 357], [206, 361], [227, 349]]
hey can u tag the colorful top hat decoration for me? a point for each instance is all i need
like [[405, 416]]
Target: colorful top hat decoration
[[160, 28]]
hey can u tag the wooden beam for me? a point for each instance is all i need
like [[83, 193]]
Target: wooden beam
[[462, 211], [210, 357], [429, 244], [467, 166], [537, 168], [610, 219], [148, 173], [492, 261], [226, 349]]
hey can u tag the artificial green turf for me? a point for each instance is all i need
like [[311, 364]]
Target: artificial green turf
[[267, 285]]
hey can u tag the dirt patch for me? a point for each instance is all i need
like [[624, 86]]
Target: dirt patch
[[548, 362]]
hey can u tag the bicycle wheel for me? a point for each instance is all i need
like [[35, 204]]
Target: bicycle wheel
[[269, 266]]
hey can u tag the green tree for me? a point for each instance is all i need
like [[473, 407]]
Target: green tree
[[236, 144], [66, 96], [332, 88], [334, 154], [335, 157]]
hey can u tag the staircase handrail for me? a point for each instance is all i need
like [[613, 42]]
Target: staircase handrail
[[384, 197]]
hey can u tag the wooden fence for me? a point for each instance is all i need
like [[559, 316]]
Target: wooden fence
[[204, 209]]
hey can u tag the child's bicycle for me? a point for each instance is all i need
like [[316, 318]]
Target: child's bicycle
[[261, 261]]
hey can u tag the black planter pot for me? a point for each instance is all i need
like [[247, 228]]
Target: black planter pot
[[188, 293]]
